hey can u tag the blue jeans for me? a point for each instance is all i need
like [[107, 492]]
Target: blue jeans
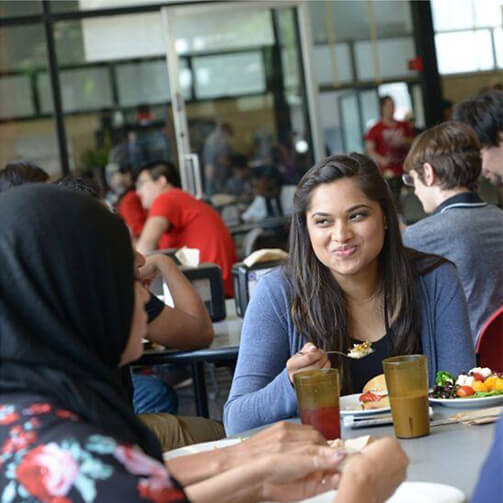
[[151, 394]]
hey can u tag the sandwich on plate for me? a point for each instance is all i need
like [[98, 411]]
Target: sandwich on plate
[[375, 394]]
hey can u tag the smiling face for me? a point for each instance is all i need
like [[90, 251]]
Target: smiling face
[[345, 227]]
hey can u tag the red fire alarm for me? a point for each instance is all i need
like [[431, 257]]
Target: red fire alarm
[[416, 64]]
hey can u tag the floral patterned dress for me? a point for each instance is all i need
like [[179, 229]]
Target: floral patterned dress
[[49, 455]]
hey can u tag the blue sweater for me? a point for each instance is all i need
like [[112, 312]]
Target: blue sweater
[[261, 392], [490, 484]]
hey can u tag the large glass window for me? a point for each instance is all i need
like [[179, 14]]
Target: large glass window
[[392, 57], [468, 35], [115, 91], [473, 51], [26, 131], [359, 46], [14, 8], [350, 20], [229, 74], [82, 89], [76, 5], [147, 82]]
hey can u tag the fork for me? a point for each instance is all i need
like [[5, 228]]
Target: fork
[[333, 352]]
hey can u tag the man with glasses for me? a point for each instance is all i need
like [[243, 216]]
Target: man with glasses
[[444, 166]]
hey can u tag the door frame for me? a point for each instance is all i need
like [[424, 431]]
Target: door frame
[[168, 18]]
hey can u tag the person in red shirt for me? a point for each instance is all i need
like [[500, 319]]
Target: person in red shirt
[[124, 198], [132, 212], [387, 143], [177, 219]]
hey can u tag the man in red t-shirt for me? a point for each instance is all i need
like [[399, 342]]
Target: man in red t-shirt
[[128, 204], [177, 219], [388, 142], [131, 210]]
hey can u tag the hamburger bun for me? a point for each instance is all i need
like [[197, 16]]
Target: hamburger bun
[[376, 385]]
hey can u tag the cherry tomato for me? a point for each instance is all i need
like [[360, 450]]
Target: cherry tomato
[[465, 391], [478, 377]]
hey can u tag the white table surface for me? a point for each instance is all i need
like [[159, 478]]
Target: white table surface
[[452, 454]]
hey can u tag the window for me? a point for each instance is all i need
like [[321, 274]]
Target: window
[[393, 57], [22, 56], [81, 90], [464, 51], [466, 33], [229, 74]]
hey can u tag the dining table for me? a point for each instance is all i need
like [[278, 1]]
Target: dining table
[[223, 351], [452, 454]]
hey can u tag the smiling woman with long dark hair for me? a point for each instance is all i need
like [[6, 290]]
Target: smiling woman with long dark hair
[[349, 279]]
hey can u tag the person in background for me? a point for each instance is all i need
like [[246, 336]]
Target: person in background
[[447, 110], [216, 153], [484, 113], [411, 119], [443, 166], [348, 279], [177, 219], [239, 184], [127, 202], [66, 430], [267, 202], [20, 172], [185, 326], [80, 184], [387, 143]]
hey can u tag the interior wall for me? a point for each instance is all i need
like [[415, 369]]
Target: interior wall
[[459, 87], [34, 140]]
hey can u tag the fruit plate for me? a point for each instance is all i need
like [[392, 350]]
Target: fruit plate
[[468, 403], [350, 406]]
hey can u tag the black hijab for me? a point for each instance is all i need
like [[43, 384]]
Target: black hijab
[[66, 306]]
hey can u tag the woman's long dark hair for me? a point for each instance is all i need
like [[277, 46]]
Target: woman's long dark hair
[[318, 307]]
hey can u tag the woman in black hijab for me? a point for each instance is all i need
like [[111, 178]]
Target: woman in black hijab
[[70, 314], [68, 318]]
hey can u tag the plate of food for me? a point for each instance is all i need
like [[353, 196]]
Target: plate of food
[[479, 387], [373, 399], [201, 447]]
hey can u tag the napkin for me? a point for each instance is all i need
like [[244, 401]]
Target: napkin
[[265, 255], [188, 256], [482, 416], [352, 445]]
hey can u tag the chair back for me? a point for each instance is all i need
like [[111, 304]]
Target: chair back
[[489, 347]]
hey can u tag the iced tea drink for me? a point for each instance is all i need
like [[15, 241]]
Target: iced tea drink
[[318, 400], [407, 382]]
